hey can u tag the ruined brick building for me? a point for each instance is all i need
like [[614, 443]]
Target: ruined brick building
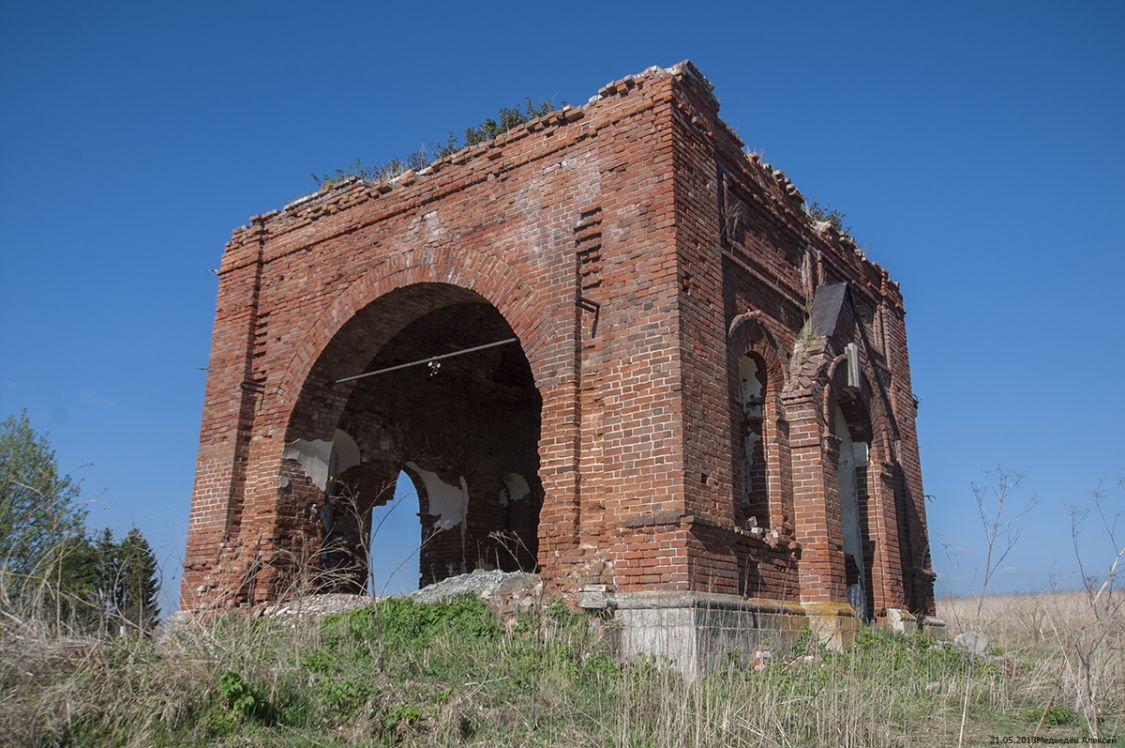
[[684, 394]]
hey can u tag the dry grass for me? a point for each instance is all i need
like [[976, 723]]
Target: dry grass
[[453, 673], [1021, 621], [1073, 641]]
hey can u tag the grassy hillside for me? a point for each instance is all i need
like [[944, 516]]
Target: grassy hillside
[[399, 673]]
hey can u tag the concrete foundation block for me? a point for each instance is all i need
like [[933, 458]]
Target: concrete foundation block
[[934, 626], [834, 623], [697, 632], [902, 621]]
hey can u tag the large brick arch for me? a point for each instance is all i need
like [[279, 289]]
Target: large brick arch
[[305, 391], [483, 274]]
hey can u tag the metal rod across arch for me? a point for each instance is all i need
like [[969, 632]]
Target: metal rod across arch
[[421, 361]]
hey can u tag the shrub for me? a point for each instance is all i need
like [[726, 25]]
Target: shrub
[[832, 215], [1053, 715], [239, 696]]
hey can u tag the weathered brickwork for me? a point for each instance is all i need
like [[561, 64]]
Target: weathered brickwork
[[708, 391]]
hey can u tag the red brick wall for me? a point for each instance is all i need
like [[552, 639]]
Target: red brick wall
[[637, 254]]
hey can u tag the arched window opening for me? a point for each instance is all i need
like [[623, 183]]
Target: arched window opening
[[851, 474], [753, 497], [393, 542]]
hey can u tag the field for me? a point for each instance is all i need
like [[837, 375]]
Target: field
[[454, 674]]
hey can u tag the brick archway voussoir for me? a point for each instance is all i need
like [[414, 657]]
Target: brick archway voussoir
[[485, 275]]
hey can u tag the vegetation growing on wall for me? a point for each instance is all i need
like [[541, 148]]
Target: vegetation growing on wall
[[490, 128], [826, 212]]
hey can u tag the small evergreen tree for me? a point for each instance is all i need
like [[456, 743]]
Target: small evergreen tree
[[136, 583], [106, 572], [74, 596], [102, 584], [49, 566], [106, 566]]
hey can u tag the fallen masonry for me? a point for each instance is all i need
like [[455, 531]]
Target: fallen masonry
[[609, 346], [507, 593]]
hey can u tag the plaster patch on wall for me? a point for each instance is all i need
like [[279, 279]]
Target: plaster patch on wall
[[751, 386], [749, 445], [321, 459], [314, 457], [515, 489], [860, 450], [345, 453], [449, 503], [433, 225]]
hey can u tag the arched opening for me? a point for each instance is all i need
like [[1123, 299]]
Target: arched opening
[[753, 492], [851, 475], [433, 466], [392, 543]]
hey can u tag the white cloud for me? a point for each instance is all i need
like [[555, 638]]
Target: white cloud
[[96, 400]]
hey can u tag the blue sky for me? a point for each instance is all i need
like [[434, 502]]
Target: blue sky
[[975, 147]]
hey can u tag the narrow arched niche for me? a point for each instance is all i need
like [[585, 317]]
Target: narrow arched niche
[[753, 486], [851, 476]]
